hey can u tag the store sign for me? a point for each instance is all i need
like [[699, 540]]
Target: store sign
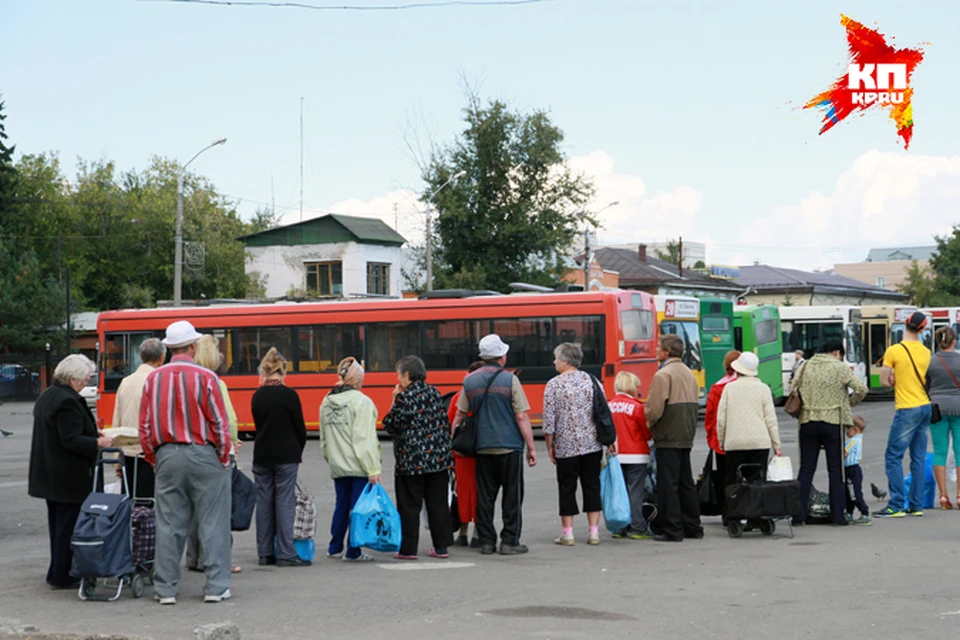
[[724, 272]]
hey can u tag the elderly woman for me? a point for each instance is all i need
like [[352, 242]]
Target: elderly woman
[[746, 419], [62, 454], [348, 440], [571, 438], [209, 357], [422, 446], [277, 453], [828, 388], [944, 375]]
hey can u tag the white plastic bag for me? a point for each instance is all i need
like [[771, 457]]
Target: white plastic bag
[[113, 487], [779, 469]]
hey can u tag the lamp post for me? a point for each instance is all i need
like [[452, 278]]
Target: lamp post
[[453, 178], [178, 257], [586, 244]]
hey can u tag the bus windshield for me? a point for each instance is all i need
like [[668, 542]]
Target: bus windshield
[[766, 331], [690, 333]]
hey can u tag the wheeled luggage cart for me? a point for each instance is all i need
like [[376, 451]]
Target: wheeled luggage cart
[[758, 504], [142, 567]]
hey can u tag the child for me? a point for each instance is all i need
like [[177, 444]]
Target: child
[[853, 450], [633, 449]]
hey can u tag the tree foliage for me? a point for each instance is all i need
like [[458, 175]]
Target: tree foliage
[[671, 253], [32, 306], [514, 213]]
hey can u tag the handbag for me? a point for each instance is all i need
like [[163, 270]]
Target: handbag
[[794, 404], [465, 435], [935, 415], [602, 417], [305, 515], [243, 500], [707, 490]]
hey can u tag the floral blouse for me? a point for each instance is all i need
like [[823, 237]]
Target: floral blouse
[[568, 415], [421, 431]]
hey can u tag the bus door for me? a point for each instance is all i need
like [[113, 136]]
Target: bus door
[[876, 337]]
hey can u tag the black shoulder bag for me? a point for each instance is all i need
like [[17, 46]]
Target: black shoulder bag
[[935, 416], [465, 435], [606, 431]]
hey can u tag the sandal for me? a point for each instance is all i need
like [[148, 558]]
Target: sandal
[[945, 502]]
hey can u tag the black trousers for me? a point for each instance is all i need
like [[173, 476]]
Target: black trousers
[[677, 503], [720, 480], [813, 437], [495, 472], [854, 477], [412, 493], [586, 469], [61, 519]]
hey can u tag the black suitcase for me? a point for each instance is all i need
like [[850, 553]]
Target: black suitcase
[[756, 500]]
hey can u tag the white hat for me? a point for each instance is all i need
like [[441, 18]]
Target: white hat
[[492, 346], [746, 364], [180, 334]]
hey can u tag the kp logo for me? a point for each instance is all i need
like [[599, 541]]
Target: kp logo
[[878, 76]]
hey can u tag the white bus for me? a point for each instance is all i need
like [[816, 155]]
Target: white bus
[[808, 328]]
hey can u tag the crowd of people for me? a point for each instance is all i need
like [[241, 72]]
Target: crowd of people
[[188, 433]]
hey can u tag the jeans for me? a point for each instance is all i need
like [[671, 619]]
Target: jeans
[[908, 431], [348, 491], [854, 475]]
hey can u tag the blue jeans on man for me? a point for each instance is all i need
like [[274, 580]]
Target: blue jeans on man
[[908, 431]]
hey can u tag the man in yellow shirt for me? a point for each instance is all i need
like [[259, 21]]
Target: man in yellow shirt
[[905, 369]]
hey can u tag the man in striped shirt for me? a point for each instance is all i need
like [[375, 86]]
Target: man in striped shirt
[[185, 435]]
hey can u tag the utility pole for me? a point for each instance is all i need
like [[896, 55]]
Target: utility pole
[[301, 157], [429, 237], [680, 256], [586, 257]]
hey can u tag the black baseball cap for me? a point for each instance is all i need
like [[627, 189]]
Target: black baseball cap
[[917, 321]]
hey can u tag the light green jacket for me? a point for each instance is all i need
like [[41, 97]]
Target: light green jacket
[[348, 434]]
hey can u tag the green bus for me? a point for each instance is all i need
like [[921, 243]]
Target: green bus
[[716, 337], [756, 328]]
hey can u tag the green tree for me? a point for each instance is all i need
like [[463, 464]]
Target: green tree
[[8, 173], [945, 267], [512, 216], [920, 284], [32, 307], [671, 253]]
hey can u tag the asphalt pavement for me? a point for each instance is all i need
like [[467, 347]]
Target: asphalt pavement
[[889, 580]]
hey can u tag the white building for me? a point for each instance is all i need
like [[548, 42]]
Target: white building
[[331, 256]]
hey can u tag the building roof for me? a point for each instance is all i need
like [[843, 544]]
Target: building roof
[[327, 229], [655, 272], [767, 279], [901, 253]]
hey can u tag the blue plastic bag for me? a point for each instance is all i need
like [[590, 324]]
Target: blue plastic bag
[[306, 549], [613, 494], [929, 484], [374, 521]]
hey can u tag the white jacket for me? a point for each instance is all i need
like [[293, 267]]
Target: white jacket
[[746, 418]]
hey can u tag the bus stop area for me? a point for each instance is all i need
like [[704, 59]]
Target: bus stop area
[[894, 579]]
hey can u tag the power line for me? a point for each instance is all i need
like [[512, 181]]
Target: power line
[[348, 7]]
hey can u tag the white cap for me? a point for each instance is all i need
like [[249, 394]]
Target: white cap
[[492, 346], [747, 364], [180, 334]]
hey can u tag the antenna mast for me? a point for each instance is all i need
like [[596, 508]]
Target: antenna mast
[[301, 157]]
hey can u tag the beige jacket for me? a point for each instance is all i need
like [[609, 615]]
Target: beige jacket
[[746, 418], [126, 411]]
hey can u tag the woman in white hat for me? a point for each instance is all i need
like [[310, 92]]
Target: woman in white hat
[[746, 419]]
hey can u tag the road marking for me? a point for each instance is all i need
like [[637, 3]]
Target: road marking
[[950, 613], [13, 485], [430, 566]]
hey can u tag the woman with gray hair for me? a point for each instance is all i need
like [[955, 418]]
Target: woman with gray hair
[[571, 438], [64, 448]]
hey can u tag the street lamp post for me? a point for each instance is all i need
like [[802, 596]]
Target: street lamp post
[[178, 257], [586, 244], [453, 178]]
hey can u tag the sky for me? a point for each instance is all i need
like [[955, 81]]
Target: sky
[[686, 112]]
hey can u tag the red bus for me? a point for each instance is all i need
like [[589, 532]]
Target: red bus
[[617, 330]]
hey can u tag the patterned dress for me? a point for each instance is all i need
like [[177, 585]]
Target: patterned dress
[[421, 431], [568, 415]]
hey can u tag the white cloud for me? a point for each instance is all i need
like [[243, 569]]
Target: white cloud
[[884, 199]]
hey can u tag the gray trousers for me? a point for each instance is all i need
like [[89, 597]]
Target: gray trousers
[[276, 509], [191, 484], [635, 475]]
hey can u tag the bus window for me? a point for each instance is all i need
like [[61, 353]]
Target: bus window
[[387, 342], [765, 331], [256, 341], [321, 348], [449, 344], [587, 331], [715, 324], [531, 340], [690, 333], [121, 356], [896, 333], [853, 341], [637, 324]]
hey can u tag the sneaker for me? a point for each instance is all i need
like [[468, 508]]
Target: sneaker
[[165, 600], [865, 520], [513, 549], [849, 517], [461, 541], [636, 535], [594, 539], [565, 541], [916, 513], [295, 561], [439, 553], [360, 558], [619, 535], [220, 598], [887, 512]]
